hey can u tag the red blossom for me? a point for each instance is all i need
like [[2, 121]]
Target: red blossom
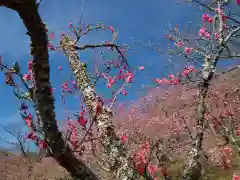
[[27, 77], [31, 136], [236, 177], [123, 139], [28, 120], [30, 65], [187, 50], [152, 170], [82, 121], [43, 144]]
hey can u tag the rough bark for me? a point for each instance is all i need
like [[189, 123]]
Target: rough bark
[[118, 158], [192, 170], [28, 11]]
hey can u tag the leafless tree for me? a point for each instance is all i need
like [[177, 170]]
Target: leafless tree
[[20, 142]]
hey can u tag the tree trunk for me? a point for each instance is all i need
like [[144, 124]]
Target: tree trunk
[[193, 167], [117, 154]]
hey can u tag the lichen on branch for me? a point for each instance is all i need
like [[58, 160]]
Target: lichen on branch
[[118, 159]]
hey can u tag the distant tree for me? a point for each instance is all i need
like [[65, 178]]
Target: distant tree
[[19, 143]]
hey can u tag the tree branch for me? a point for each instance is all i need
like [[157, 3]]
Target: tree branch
[[118, 159]]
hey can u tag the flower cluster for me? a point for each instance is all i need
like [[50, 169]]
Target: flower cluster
[[175, 79], [28, 76], [141, 161], [226, 157], [32, 135]]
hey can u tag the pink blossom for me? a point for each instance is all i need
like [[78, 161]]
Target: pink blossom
[[175, 81], [227, 150], [82, 121], [82, 113], [205, 17], [202, 30], [129, 77], [27, 77], [111, 81], [28, 120], [51, 47], [74, 134], [71, 125], [52, 35], [165, 81], [65, 85], [235, 177], [219, 11], [125, 65], [141, 68], [238, 2], [107, 43], [111, 28], [204, 33], [70, 25], [152, 169], [158, 81], [124, 92], [188, 69], [210, 20], [171, 76], [179, 44], [30, 64], [187, 50], [207, 35], [123, 139], [52, 90], [74, 84], [216, 36]]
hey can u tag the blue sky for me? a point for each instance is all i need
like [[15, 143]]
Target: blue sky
[[145, 19]]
